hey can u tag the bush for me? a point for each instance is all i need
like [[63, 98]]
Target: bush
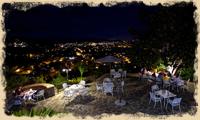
[[186, 73], [40, 79], [15, 81], [33, 112], [161, 67], [58, 81], [75, 80]]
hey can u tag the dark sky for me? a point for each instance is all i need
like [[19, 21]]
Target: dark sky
[[49, 22]]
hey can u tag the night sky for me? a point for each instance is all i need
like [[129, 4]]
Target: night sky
[[48, 22]]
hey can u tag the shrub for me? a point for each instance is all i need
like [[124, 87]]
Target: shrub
[[35, 112], [15, 81], [161, 67], [75, 80], [186, 73], [58, 81], [40, 79]]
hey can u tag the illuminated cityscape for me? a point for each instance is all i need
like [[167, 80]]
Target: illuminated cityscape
[[63, 53]]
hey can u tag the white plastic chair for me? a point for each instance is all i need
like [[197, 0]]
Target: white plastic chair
[[120, 70], [166, 84], [106, 80], [181, 85], [175, 102], [99, 87], [108, 88], [82, 82], [112, 71], [64, 85], [158, 81], [68, 94], [155, 99], [154, 88]]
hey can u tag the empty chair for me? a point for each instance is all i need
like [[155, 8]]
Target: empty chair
[[166, 84], [181, 85], [120, 70], [108, 88], [174, 103], [185, 86], [158, 81], [64, 85], [155, 99], [82, 82], [68, 94], [39, 94], [154, 88], [99, 87], [83, 92], [112, 71], [106, 80]]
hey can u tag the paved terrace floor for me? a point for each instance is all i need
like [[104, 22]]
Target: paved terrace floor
[[97, 104]]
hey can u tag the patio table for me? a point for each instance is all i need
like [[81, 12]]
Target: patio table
[[27, 95], [165, 94], [77, 89]]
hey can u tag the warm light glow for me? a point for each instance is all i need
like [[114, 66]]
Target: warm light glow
[[47, 62], [18, 70], [61, 59], [30, 55], [78, 53], [54, 61]]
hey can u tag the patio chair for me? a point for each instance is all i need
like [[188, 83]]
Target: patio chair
[[68, 95], [179, 86], [64, 85], [108, 88], [154, 88], [183, 86], [82, 82], [112, 71], [106, 80], [155, 99], [158, 81], [39, 94], [84, 92], [120, 70], [186, 85], [166, 84], [174, 103], [99, 87]]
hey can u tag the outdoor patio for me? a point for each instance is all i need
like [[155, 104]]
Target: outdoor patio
[[96, 104]]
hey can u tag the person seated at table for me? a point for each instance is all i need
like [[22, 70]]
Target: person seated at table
[[154, 76], [18, 91], [166, 77], [160, 75], [177, 79]]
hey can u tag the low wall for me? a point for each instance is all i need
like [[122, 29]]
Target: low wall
[[48, 88]]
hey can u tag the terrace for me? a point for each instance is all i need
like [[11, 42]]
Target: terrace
[[98, 104]]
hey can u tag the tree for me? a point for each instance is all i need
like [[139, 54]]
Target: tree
[[170, 35]]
